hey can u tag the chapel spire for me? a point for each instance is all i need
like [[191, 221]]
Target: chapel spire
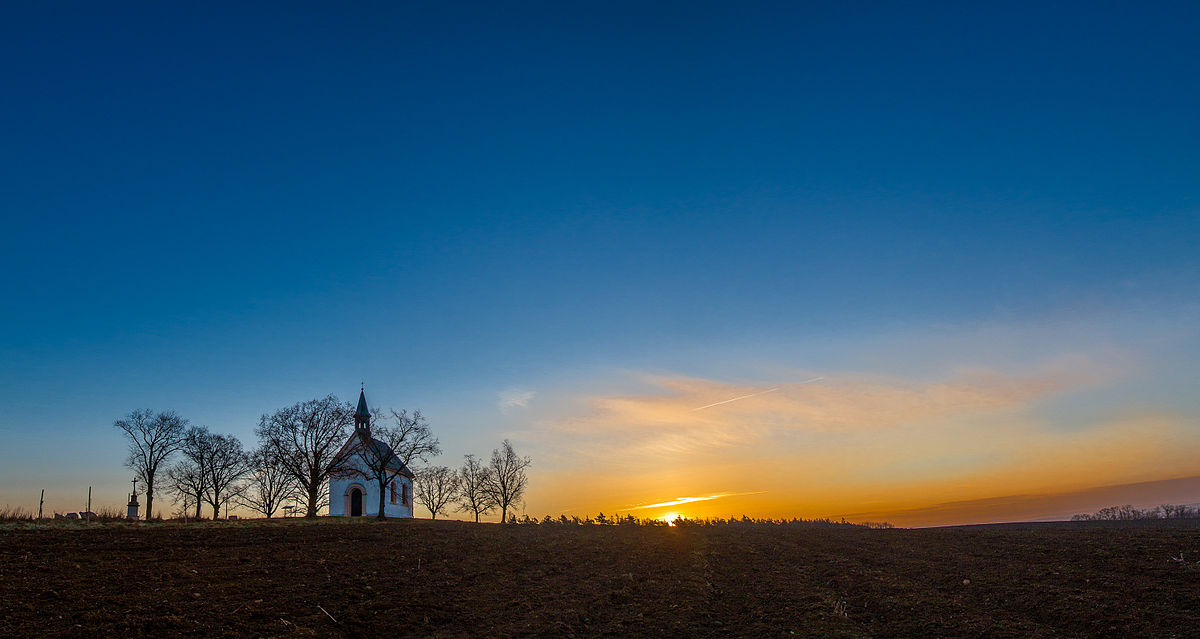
[[362, 416]]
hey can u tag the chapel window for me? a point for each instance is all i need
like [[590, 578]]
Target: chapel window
[[393, 492]]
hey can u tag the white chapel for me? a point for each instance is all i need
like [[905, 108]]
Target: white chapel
[[355, 492]]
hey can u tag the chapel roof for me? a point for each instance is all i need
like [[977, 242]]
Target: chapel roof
[[363, 445], [382, 451]]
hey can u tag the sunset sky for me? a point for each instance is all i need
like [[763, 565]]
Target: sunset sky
[[922, 263]]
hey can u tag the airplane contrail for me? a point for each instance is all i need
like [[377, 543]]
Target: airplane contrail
[[769, 390], [736, 398], [687, 500]]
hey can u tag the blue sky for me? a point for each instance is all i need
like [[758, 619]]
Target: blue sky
[[226, 210]]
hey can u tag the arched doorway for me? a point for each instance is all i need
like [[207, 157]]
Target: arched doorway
[[356, 502]]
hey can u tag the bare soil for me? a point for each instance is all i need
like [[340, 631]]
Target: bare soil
[[446, 579]]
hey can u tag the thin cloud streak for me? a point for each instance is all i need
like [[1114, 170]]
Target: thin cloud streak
[[769, 390], [514, 398], [736, 399], [687, 500]]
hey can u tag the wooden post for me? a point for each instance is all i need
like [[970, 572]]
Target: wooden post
[[41, 500]]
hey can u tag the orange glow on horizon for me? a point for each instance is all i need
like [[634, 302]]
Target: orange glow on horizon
[[967, 449]]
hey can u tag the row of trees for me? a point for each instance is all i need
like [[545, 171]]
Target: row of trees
[[1128, 513], [215, 469], [476, 488], [297, 452], [200, 467], [304, 440], [632, 520]]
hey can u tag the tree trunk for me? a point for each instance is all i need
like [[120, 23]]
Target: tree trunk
[[216, 510], [477, 516], [504, 514], [381, 489], [311, 509], [149, 498], [198, 505]]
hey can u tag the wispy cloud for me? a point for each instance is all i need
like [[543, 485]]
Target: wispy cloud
[[856, 442], [512, 398], [681, 422]]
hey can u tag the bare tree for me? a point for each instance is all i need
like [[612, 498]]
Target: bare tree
[[227, 464], [268, 485], [211, 469], [379, 447], [436, 487], [153, 439], [188, 476], [506, 478], [185, 504], [185, 480], [473, 496], [304, 440], [1177, 511], [411, 437]]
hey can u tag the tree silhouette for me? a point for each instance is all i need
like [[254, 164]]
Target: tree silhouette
[[187, 477], [304, 440], [473, 496], [506, 478], [268, 485], [435, 488], [227, 464], [153, 439]]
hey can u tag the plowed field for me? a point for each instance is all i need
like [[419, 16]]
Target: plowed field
[[445, 579]]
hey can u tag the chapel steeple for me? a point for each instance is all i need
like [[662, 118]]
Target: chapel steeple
[[362, 416]]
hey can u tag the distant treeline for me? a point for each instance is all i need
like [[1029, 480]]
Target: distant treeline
[[1128, 512], [631, 520]]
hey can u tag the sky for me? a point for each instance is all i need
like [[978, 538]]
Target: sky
[[925, 263]]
